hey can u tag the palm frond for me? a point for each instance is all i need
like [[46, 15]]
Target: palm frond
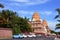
[[57, 25], [56, 16], [57, 28], [1, 6], [58, 20], [58, 10]]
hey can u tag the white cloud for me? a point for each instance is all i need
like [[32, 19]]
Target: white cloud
[[21, 0], [52, 24], [46, 12], [25, 12], [14, 4], [30, 2]]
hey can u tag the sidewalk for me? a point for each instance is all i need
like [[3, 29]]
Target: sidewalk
[[57, 39]]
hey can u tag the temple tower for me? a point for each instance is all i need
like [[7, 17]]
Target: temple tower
[[36, 17], [38, 26]]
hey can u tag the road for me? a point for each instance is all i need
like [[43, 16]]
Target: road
[[33, 38]]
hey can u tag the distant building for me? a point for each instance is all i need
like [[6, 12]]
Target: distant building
[[38, 25]]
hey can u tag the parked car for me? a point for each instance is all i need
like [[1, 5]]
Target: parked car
[[18, 36], [31, 35], [21, 36], [38, 35], [24, 35]]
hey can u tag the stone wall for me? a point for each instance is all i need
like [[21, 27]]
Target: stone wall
[[5, 33]]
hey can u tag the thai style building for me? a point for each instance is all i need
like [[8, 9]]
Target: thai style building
[[39, 26]]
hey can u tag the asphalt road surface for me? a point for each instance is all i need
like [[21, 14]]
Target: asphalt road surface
[[33, 38]]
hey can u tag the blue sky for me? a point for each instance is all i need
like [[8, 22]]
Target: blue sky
[[45, 8]]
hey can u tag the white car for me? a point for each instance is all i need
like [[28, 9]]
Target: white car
[[31, 35], [21, 36], [24, 35]]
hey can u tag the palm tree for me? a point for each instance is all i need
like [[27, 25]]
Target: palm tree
[[8, 16], [58, 16], [1, 6]]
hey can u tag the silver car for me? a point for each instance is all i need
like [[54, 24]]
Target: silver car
[[18, 36]]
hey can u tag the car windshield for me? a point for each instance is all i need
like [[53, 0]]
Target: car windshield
[[20, 34]]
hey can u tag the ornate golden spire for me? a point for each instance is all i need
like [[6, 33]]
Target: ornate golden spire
[[44, 22], [36, 16]]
